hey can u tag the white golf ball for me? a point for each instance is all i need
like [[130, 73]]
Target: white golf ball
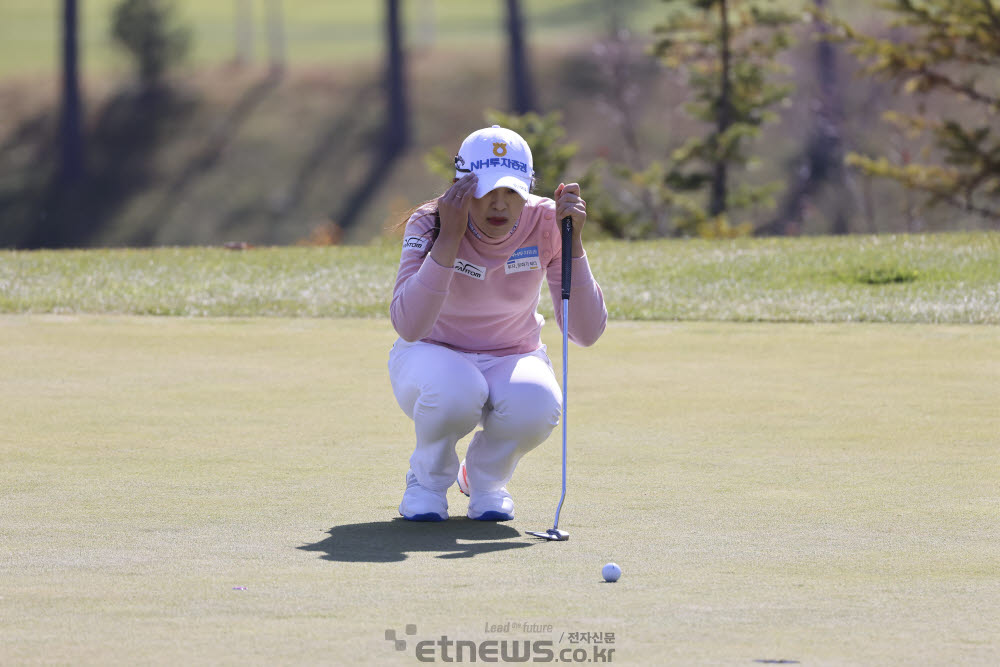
[[611, 572]]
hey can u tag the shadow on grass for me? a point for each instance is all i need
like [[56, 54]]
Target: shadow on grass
[[39, 210], [391, 541], [206, 159], [327, 145]]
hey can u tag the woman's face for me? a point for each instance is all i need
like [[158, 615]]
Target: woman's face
[[496, 213]]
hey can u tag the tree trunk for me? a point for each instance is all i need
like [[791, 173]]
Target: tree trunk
[[521, 89], [426, 25], [244, 32], [720, 176], [276, 35], [829, 140], [822, 161], [71, 124], [397, 125]]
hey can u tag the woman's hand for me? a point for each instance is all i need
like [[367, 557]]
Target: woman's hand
[[569, 202], [453, 209], [453, 206]]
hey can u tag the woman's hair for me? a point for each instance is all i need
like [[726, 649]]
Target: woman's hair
[[437, 217], [437, 222]]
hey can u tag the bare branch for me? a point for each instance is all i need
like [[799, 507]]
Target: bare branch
[[961, 88]]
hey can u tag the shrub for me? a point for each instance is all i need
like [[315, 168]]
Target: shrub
[[149, 31]]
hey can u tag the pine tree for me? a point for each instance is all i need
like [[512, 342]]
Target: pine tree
[[949, 52], [727, 49]]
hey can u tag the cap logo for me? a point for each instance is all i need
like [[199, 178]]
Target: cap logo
[[500, 149]]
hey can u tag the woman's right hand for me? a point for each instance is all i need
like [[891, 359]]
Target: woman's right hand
[[453, 209]]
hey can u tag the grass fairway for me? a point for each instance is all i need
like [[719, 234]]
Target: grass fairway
[[823, 493]]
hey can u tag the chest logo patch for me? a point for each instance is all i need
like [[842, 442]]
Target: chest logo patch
[[524, 259], [470, 269]]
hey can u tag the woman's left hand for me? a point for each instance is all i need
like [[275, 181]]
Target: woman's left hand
[[570, 203]]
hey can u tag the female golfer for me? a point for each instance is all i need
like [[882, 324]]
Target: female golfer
[[465, 307]]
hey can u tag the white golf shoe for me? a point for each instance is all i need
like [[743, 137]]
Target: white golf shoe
[[421, 504], [491, 506], [463, 479]]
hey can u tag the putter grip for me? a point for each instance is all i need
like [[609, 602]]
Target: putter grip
[[566, 230]]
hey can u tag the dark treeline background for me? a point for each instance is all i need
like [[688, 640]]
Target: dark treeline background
[[150, 122]]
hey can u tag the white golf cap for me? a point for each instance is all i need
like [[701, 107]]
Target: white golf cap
[[499, 157]]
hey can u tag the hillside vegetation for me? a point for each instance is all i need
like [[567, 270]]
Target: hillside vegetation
[[235, 154]]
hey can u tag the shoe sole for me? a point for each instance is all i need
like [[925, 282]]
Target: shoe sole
[[429, 516], [493, 516]]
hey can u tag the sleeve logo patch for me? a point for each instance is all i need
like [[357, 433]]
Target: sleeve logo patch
[[470, 269], [414, 243], [524, 259]]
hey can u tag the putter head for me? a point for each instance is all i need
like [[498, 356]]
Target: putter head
[[552, 534]]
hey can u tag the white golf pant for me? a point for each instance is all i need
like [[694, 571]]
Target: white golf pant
[[447, 394]]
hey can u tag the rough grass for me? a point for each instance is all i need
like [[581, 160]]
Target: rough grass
[[320, 31], [943, 278], [202, 491], [911, 278], [316, 31]]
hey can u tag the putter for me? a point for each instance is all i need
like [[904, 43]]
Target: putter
[[554, 534]]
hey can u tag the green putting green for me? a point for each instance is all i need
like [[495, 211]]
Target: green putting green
[[224, 491]]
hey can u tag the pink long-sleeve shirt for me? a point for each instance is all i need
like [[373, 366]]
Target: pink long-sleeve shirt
[[488, 302]]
